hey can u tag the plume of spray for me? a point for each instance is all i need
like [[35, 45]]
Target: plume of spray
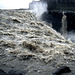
[[38, 8]]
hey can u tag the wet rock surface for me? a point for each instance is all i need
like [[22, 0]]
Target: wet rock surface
[[32, 45], [61, 70], [12, 72]]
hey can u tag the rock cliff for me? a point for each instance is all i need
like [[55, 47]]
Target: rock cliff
[[60, 4]]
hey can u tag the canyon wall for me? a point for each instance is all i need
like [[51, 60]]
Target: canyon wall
[[60, 4], [60, 1]]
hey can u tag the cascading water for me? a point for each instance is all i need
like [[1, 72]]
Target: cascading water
[[64, 31], [64, 24]]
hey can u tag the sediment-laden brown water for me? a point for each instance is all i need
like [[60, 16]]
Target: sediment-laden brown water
[[29, 44]]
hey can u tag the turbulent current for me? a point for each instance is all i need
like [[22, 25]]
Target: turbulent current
[[29, 44]]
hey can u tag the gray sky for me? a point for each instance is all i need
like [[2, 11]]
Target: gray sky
[[14, 4]]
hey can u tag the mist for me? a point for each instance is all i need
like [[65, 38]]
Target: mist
[[71, 36], [38, 8]]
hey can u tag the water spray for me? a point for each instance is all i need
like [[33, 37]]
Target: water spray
[[38, 8]]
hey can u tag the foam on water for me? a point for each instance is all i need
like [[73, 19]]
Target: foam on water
[[31, 37]]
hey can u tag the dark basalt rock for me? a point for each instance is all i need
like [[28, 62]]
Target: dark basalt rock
[[2, 72], [13, 72], [60, 4], [61, 70]]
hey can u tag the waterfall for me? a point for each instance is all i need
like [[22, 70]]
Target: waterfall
[[64, 25]]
